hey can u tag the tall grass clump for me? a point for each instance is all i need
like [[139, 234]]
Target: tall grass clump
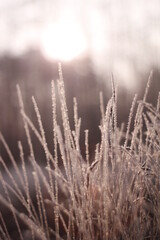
[[113, 196]]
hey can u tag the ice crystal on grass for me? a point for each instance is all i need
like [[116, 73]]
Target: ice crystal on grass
[[113, 196]]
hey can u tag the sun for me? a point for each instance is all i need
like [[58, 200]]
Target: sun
[[63, 41]]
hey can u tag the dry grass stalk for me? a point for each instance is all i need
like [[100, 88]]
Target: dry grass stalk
[[114, 196]]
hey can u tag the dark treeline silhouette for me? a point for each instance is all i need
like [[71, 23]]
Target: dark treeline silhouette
[[34, 74]]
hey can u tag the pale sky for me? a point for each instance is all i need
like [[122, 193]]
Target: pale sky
[[119, 35]]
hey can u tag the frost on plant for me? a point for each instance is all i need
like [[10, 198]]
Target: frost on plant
[[113, 196]]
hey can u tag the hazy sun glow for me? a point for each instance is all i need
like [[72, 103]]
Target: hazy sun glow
[[63, 41]]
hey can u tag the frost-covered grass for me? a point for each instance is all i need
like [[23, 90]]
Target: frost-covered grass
[[113, 196]]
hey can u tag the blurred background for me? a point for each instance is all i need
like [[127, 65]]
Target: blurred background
[[92, 40]]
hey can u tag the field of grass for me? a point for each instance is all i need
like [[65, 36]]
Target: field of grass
[[116, 195]]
